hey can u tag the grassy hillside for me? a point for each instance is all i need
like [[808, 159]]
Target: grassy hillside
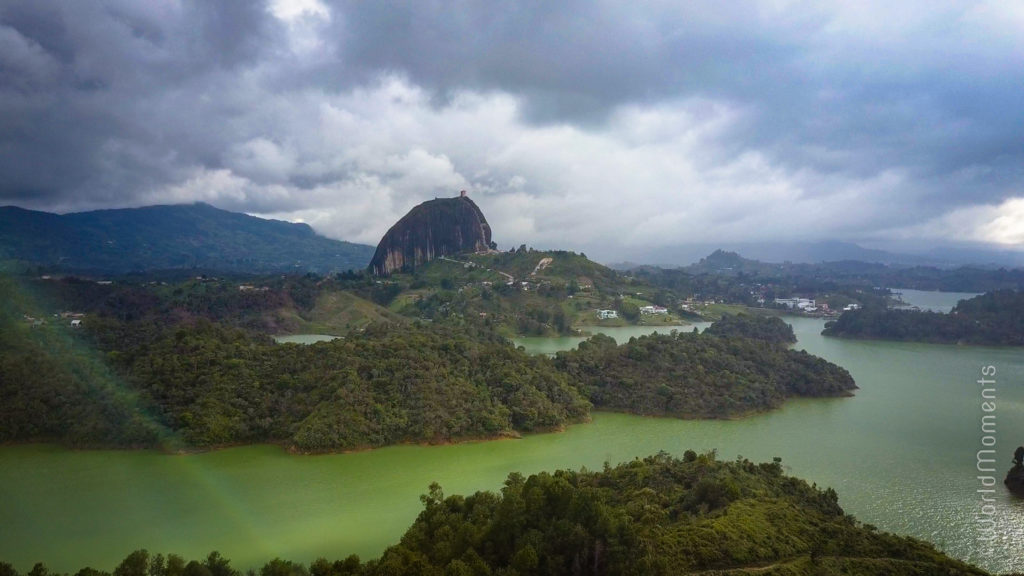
[[335, 312], [526, 292]]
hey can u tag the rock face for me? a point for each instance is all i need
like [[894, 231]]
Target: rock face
[[1015, 477], [435, 228]]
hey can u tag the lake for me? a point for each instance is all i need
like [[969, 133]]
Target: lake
[[933, 301], [901, 454]]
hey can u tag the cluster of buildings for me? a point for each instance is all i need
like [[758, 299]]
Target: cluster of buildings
[[645, 310], [809, 306], [74, 318], [803, 304]]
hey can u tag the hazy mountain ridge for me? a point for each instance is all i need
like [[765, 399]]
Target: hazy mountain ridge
[[816, 252], [171, 237]]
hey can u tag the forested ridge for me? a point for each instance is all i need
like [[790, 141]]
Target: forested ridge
[[180, 237], [767, 328], [658, 515], [386, 386], [994, 318], [692, 375], [187, 367]]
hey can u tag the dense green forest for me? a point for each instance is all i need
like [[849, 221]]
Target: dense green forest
[[147, 369], [995, 318], [768, 328], [388, 385], [659, 515], [186, 366], [694, 375], [203, 384]]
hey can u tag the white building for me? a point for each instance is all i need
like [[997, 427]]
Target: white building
[[653, 310], [799, 303], [607, 314]]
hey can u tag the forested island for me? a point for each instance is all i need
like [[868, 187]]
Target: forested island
[[657, 515], [188, 368], [992, 319], [718, 374], [770, 329]]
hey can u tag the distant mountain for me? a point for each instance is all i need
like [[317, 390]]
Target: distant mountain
[[796, 252], [191, 236], [438, 227], [722, 261], [945, 256]]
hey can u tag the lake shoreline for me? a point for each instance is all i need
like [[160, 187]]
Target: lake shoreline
[[901, 457], [503, 436]]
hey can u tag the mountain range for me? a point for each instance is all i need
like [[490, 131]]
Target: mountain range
[[193, 236], [815, 252]]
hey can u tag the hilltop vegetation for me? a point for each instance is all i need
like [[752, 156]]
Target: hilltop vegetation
[[692, 375], [187, 365], [524, 291], [55, 387], [203, 384], [659, 515], [147, 371], [385, 386], [994, 318], [768, 328]]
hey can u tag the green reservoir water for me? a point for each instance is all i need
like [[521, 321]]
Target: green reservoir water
[[933, 301], [901, 454]]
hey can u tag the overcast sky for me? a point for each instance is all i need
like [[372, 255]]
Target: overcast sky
[[608, 127]]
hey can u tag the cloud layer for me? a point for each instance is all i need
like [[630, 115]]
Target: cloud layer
[[606, 127]]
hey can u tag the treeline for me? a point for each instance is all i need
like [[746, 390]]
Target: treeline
[[659, 515], [55, 386], [204, 384], [692, 375], [995, 319], [141, 372], [771, 329], [388, 385]]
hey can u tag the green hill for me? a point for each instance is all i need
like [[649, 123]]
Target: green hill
[[196, 236], [659, 515], [991, 319], [525, 291], [692, 375]]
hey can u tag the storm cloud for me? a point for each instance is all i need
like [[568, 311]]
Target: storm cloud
[[601, 126]]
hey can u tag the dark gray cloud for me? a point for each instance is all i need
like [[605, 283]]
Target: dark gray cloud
[[870, 121]]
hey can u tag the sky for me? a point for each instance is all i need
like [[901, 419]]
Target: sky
[[615, 128]]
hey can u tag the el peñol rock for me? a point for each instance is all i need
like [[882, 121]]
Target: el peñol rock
[[435, 228], [1015, 477]]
